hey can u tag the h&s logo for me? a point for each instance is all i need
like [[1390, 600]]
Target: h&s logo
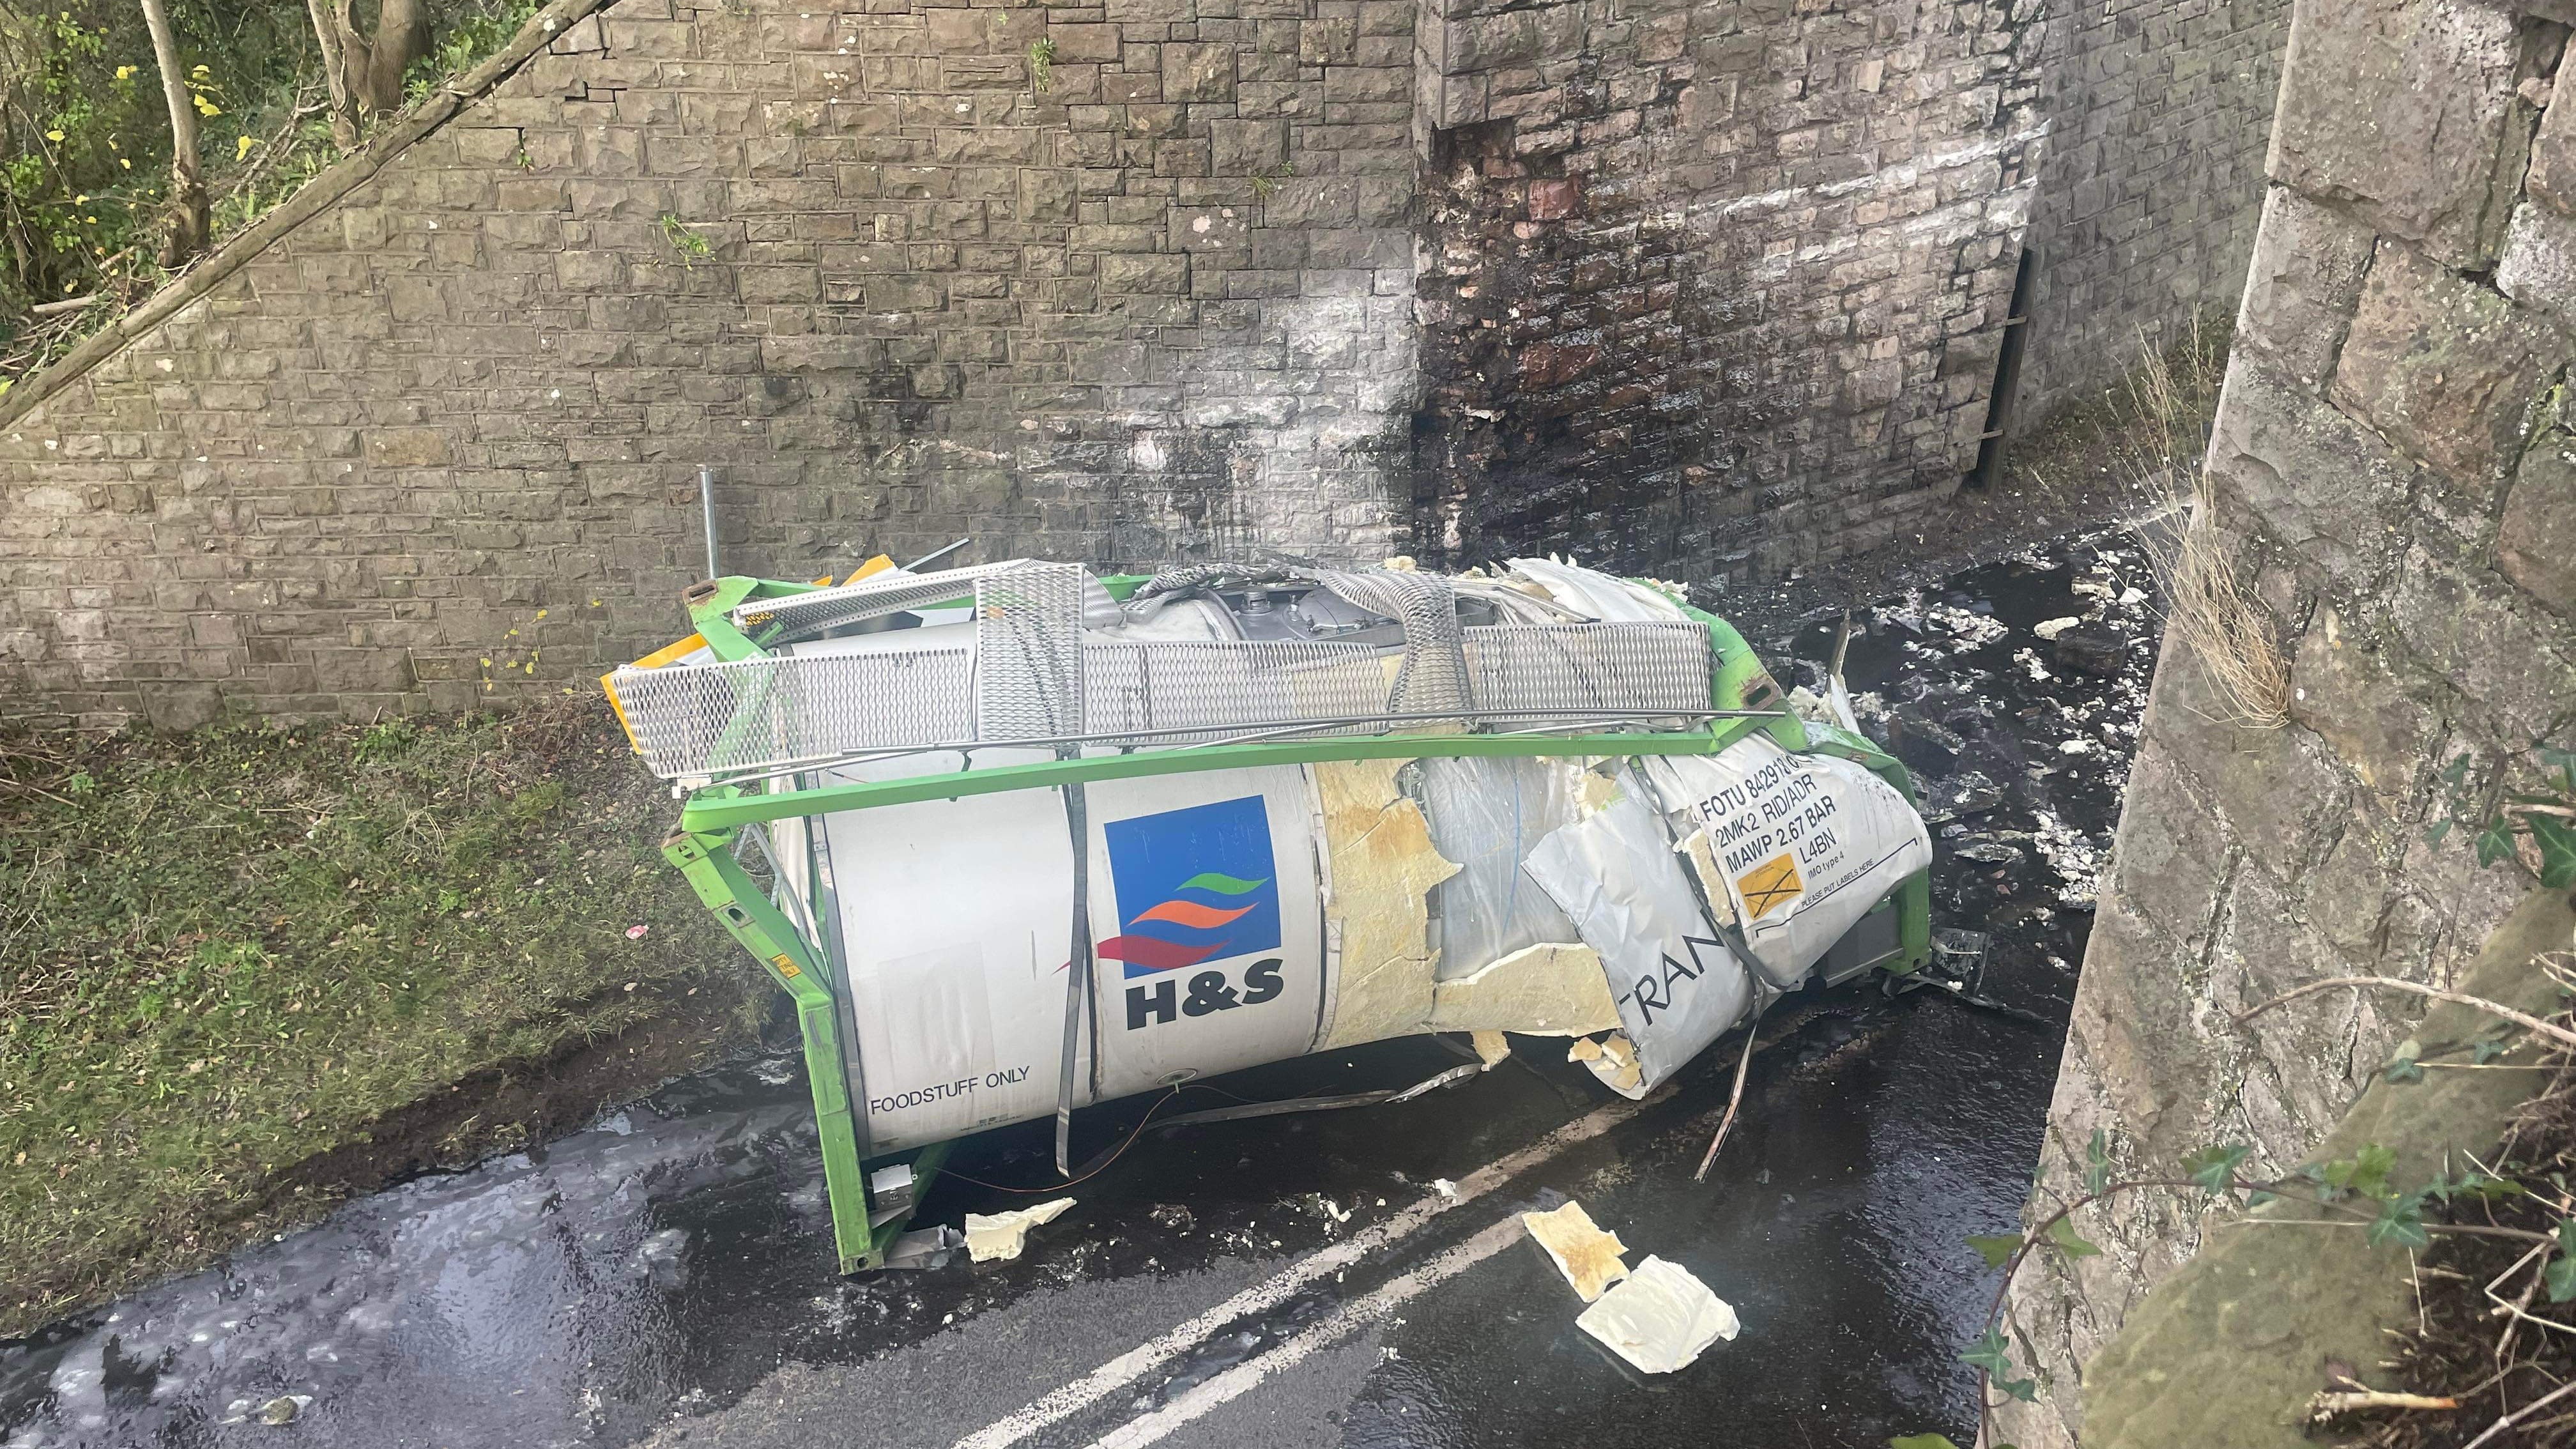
[[1193, 885]]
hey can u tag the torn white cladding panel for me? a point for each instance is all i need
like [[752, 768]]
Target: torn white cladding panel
[[1000, 1237], [1487, 815], [1800, 847], [1659, 1318], [1676, 986], [1588, 1256]]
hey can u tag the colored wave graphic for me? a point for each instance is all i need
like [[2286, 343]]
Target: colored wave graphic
[[1183, 926]]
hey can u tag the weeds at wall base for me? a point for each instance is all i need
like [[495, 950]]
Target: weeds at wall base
[[244, 967]]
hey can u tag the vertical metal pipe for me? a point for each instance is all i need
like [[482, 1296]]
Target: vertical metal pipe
[[1077, 985], [707, 512]]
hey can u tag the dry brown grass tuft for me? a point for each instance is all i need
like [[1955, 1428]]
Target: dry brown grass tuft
[[2206, 603]]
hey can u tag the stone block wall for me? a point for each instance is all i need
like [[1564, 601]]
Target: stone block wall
[[853, 259], [2151, 188], [1714, 290], [2394, 470], [1709, 290]]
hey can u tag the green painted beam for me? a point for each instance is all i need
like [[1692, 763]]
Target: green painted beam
[[705, 857], [720, 808]]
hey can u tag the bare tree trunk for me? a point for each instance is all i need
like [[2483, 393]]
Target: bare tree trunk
[[336, 73], [402, 36], [365, 73], [187, 204]]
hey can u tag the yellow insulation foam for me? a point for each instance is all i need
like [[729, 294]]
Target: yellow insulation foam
[[1383, 867], [1544, 990]]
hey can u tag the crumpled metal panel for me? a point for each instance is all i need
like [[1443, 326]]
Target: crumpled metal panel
[[1433, 679]]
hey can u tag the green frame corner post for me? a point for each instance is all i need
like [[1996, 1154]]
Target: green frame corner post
[[706, 858]]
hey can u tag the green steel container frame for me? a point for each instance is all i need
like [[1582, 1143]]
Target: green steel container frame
[[712, 819]]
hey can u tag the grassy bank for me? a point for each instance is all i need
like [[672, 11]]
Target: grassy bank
[[241, 971]]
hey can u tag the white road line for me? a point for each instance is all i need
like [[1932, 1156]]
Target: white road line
[[1249, 1374], [1137, 1362]]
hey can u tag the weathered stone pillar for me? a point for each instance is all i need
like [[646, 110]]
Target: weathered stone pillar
[[2394, 471]]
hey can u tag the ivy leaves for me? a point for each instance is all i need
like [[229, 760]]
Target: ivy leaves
[[2547, 819], [2097, 1164], [1994, 1356], [2213, 1168], [2560, 1276], [1996, 1248]]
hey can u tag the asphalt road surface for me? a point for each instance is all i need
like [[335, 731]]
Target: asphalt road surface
[[1354, 1278]]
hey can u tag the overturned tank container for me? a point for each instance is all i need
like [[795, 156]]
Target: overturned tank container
[[1033, 839]]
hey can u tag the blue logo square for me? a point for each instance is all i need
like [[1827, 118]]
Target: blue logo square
[[1193, 885]]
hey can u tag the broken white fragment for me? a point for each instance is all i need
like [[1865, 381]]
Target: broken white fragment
[[1589, 1257], [1491, 1046], [1444, 1187], [1000, 1237], [2051, 628], [1659, 1318], [1614, 1061]]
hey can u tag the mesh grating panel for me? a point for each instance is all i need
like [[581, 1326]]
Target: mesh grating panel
[[702, 720], [1028, 652], [1137, 690], [1587, 670], [1031, 676]]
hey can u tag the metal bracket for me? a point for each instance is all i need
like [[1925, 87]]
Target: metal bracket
[[746, 911]]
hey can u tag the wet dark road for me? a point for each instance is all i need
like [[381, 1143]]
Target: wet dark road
[[1346, 1278]]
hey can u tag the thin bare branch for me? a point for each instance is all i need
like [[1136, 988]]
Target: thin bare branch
[[2523, 1019], [2507, 1421]]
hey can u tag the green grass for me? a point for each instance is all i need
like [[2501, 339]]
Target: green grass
[[224, 953]]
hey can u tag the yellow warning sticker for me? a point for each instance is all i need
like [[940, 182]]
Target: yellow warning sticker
[[1771, 884], [786, 967]]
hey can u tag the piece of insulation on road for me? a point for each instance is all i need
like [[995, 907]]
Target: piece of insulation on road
[[1613, 1060], [1586, 1254], [1659, 1318], [1000, 1237], [2051, 628]]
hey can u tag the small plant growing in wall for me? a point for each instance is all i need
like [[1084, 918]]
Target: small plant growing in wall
[[692, 247], [1264, 183], [2539, 828], [1042, 65]]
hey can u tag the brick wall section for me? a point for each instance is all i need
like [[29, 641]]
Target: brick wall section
[[1713, 291], [932, 302], [2394, 465], [2152, 186], [1720, 290]]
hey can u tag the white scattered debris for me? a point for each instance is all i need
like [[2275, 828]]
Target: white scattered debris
[[2077, 746], [2028, 659], [2051, 628], [2131, 597], [1589, 1257], [1659, 1318], [1000, 1237], [1969, 628], [1445, 1188], [2072, 856]]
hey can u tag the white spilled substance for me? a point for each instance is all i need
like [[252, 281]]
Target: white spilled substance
[[1659, 1318], [1000, 1237]]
